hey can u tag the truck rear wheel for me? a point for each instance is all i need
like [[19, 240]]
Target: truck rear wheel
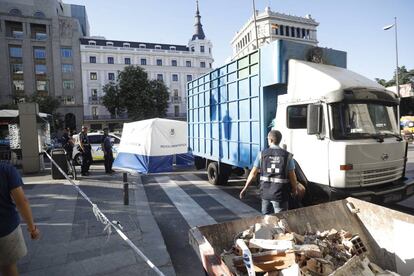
[[216, 175]]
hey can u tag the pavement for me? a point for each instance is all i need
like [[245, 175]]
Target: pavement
[[72, 240]]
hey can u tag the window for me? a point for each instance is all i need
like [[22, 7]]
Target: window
[[173, 48], [109, 43], [143, 61], [202, 64], [192, 49], [159, 62], [18, 85], [41, 85], [15, 12], [110, 60], [297, 116], [93, 76], [202, 49], [68, 100], [92, 42], [92, 139], [175, 93], [39, 53], [158, 47], [175, 77], [15, 52], [142, 46], [160, 77], [111, 76], [211, 65], [94, 93], [189, 77], [174, 62], [92, 59], [38, 31], [40, 69], [67, 68], [17, 68], [176, 110], [66, 52], [127, 61], [68, 84], [188, 63], [209, 50], [39, 14], [126, 45]]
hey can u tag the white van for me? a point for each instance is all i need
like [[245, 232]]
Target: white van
[[95, 139]]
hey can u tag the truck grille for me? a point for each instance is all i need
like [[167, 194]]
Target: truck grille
[[373, 177]]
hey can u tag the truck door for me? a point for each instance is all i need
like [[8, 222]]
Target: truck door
[[310, 150]]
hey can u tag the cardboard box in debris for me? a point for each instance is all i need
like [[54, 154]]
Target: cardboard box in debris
[[271, 248]]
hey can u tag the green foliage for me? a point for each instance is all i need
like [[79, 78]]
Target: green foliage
[[47, 104], [134, 93], [404, 76]]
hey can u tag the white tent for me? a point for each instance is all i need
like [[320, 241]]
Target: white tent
[[149, 146]]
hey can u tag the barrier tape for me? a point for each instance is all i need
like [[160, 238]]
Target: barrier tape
[[100, 216]]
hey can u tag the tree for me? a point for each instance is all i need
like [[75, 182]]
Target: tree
[[47, 104], [404, 77], [134, 93]]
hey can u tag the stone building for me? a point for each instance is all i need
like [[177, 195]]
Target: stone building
[[40, 53], [271, 26], [173, 63]]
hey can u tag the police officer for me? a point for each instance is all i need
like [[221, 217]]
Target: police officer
[[278, 177], [108, 154], [86, 149]]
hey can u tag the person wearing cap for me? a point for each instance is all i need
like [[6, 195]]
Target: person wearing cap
[[277, 175], [12, 245]]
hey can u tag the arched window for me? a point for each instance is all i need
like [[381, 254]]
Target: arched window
[[92, 42], [158, 47], [15, 12], [142, 46], [126, 45], [39, 14], [173, 48], [109, 43]]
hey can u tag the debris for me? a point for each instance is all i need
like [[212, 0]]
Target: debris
[[271, 244], [271, 248]]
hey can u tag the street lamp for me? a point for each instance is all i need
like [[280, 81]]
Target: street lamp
[[396, 53]]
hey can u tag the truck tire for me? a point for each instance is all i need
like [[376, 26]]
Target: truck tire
[[199, 163], [216, 176]]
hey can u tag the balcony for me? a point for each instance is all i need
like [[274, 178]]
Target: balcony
[[95, 100], [175, 99], [105, 117]]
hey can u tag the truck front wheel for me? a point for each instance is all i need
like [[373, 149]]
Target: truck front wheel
[[218, 176]]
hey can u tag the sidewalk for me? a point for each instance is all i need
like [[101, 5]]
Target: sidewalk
[[73, 242]]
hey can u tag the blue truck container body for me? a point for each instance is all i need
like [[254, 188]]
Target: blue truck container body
[[230, 109]]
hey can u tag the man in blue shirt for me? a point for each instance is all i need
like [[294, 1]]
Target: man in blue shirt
[[278, 177], [12, 245]]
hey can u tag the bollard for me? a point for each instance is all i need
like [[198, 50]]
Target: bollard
[[126, 188]]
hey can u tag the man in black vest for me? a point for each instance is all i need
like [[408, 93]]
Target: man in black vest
[[86, 150], [278, 177]]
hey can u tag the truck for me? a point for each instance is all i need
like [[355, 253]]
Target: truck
[[341, 127], [385, 238]]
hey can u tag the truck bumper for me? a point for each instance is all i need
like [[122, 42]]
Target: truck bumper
[[385, 193]]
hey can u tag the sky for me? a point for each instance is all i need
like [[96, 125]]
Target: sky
[[354, 26]]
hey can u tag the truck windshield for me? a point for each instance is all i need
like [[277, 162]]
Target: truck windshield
[[363, 120]]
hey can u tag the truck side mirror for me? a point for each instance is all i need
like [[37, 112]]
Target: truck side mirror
[[314, 119]]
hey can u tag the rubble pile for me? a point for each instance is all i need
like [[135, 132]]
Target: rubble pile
[[271, 248]]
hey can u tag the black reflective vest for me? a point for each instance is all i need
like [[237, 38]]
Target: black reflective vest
[[274, 180]]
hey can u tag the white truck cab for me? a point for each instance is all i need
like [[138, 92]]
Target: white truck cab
[[343, 131]]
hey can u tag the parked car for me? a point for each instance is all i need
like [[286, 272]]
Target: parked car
[[95, 139]]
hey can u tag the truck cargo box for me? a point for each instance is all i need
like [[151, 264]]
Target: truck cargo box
[[386, 234]]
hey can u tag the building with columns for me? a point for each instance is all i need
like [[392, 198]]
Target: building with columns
[[39, 53], [173, 63], [271, 26]]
